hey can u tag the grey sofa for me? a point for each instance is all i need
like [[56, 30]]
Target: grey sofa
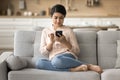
[[96, 48]]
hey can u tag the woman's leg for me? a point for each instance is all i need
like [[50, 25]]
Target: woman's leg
[[46, 65], [68, 61], [65, 61], [95, 68], [82, 67]]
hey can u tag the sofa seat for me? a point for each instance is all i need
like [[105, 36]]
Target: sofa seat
[[36, 74], [111, 74]]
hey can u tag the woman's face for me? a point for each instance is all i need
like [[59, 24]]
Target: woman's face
[[58, 19]]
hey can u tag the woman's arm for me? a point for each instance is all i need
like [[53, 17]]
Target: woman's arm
[[43, 43], [47, 41], [73, 40]]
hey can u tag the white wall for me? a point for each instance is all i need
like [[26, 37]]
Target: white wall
[[9, 25]]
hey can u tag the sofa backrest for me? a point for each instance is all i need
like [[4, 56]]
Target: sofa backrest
[[87, 43], [24, 43], [107, 48], [27, 43]]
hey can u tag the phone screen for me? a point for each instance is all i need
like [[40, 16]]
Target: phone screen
[[58, 33]]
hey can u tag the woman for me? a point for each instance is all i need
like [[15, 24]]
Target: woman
[[60, 44]]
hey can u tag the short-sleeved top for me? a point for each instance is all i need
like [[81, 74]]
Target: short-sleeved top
[[57, 47]]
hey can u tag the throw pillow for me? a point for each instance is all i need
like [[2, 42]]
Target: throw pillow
[[16, 63], [118, 55]]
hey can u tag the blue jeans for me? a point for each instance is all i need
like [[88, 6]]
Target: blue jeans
[[61, 62]]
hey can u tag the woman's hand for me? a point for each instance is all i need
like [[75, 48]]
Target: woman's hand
[[52, 40], [63, 41], [51, 36]]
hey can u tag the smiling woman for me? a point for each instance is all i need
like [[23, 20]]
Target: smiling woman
[[63, 49]]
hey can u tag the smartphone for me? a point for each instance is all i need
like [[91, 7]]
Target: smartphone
[[58, 33]]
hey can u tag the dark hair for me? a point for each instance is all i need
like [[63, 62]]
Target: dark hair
[[58, 8]]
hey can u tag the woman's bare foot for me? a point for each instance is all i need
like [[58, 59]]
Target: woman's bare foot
[[95, 68], [79, 68]]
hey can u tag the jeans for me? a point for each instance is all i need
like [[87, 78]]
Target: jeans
[[61, 62]]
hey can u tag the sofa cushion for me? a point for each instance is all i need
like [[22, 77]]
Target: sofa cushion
[[118, 55], [36, 74], [15, 63], [111, 74], [107, 48], [23, 43], [27, 43], [87, 43]]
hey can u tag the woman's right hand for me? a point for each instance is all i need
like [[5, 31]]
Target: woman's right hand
[[52, 40], [51, 36]]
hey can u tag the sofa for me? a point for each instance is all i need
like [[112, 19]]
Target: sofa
[[96, 47]]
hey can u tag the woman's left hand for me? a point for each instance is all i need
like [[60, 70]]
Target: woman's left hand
[[61, 39]]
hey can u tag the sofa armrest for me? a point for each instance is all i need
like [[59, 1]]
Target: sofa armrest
[[3, 65], [3, 71]]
